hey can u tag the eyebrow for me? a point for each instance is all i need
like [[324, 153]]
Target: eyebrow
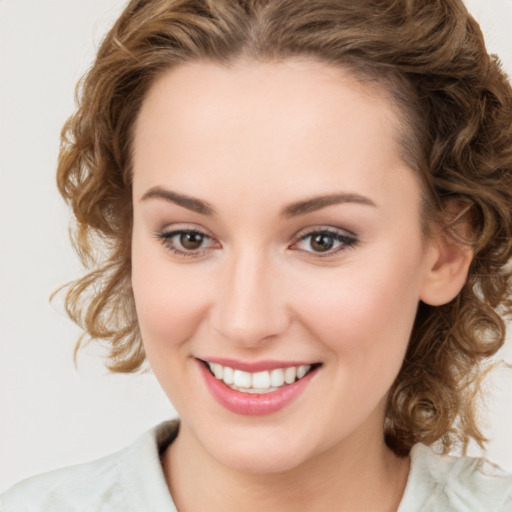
[[190, 203], [293, 210], [317, 203]]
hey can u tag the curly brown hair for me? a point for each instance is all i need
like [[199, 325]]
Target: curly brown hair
[[456, 107]]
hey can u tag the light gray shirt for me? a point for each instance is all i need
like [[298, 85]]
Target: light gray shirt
[[132, 480]]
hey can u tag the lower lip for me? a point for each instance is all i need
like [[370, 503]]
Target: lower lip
[[254, 404]]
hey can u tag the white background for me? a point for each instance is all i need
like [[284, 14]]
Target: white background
[[52, 415]]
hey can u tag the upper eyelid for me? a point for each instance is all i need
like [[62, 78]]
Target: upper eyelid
[[184, 228], [174, 232], [304, 232], [163, 234], [300, 233]]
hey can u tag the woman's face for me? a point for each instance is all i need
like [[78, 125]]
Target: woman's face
[[276, 232]]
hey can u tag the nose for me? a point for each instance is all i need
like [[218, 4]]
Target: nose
[[250, 307]]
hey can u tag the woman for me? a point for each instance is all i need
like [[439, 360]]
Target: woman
[[304, 215]]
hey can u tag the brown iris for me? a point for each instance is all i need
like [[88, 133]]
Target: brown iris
[[322, 242], [191, 240]]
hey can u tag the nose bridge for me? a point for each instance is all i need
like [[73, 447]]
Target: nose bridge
[[250, 307]]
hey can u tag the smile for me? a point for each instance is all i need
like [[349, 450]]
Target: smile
[[261, 382], [258, 392]]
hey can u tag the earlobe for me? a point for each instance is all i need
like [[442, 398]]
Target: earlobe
[[447, 266]]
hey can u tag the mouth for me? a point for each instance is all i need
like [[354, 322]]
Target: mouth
[[259, 382]]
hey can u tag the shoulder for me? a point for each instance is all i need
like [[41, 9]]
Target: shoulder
[[444, 482], [126, 480]]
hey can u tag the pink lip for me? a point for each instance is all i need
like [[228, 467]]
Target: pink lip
[[256, 366], [254, 404]]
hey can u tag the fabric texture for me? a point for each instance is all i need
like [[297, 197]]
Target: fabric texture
[[456, 484], [132, 480]]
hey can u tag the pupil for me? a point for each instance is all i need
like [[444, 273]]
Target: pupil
[[191, 241], [322, 242]]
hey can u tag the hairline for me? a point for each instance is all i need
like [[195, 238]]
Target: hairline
[[405, 116]]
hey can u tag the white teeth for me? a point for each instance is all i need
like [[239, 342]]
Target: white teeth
[[218, 370], [242, 379], [261, 380], [276, 377], [228, 375], [302, 370], [290, 374], [258, 382]]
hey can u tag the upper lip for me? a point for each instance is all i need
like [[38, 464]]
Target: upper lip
[[254, 366]]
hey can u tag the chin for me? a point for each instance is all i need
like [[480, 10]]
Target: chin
[[263, 450], [260, 459]]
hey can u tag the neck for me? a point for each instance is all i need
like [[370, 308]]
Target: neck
[[363, 476]]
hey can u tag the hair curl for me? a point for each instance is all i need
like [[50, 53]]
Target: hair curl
[[456, 102]]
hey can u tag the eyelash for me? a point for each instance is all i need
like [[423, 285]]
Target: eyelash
[[346, 241], [166, 239]]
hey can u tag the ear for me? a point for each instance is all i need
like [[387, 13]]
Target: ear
[[446, 273], [448, 258]]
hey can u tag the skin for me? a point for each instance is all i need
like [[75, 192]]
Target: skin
[[249, 140]]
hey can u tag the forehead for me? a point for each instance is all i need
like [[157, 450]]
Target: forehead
[[273, 91], [298, 122]]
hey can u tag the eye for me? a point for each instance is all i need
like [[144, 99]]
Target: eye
[[324, 242], [187, 242], [191, 240]]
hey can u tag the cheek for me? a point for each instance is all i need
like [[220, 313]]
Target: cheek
[[364, 322], [168, 300], [365, 315]]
